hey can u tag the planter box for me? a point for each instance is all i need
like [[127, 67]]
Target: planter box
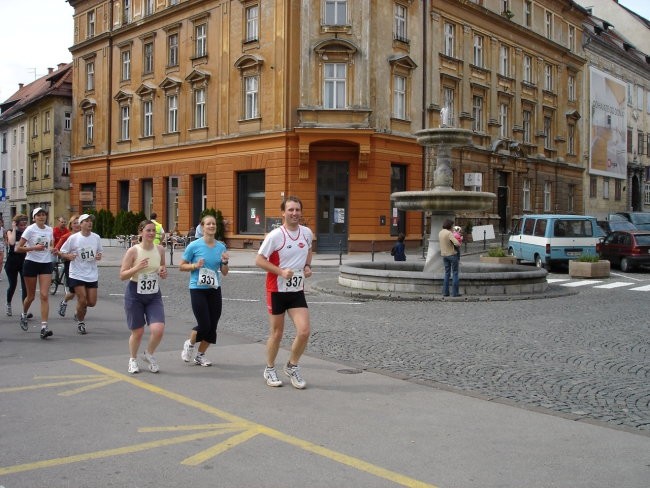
[[579, 269], [500, 260]]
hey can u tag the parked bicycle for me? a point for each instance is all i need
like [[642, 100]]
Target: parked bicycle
[[58, 277]]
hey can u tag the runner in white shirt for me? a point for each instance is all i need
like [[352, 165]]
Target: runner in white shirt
[[83, 249], [286, 256]]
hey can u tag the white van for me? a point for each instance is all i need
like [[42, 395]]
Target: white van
[[548, 239]]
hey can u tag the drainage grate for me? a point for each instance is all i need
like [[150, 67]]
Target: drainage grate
[[349, 371]]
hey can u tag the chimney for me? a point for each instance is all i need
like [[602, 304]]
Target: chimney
[[50, 71], [60, 65], [21, 85]]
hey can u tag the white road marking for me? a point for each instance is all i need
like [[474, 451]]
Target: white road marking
[[616, 284], [575, 284]]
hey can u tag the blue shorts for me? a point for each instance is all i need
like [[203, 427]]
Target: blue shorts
[[31, 269], [142, 309]]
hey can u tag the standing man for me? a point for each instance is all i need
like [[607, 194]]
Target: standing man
[[286, 256], [83, 249], [160, 232], [448, 244], [59, 230]]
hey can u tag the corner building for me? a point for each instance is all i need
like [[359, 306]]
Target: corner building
[[189, 104]]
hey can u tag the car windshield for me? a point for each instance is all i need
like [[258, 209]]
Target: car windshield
[[640, 218], [642, 239]]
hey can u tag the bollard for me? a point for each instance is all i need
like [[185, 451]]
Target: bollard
[[372, 251], [171, 252], [484, 239], [340, 253]]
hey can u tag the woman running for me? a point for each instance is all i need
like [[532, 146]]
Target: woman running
[[15, 260]]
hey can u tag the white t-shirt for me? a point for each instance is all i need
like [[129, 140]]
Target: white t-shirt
[[85, 248], [34, 236], [287, 249]]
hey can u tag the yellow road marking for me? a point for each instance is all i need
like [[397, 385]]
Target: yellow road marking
[[220, 448], [46, 385]]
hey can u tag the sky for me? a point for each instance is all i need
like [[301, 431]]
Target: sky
[[26, 57]]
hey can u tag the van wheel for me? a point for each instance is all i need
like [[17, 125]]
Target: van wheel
[[538, 261], [626, 266]]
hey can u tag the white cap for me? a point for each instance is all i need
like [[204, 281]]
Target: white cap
[[84, 217], [37, 210]]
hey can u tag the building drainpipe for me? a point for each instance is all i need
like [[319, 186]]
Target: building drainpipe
[[425, 79], [110, 107]]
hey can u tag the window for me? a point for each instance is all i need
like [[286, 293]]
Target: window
[[22, 134], [172, 113], [34, 168], [528, 68], [251, 88], [548, 143], [172, 50], [65, 167], [478, 50], [34, 126], [528, 13], [527, 118], [571, 38], [571, 88], [336, 12], [89, 119], [4, 142], [629, 94], [646, 194], [16, 136], [67, 121], [199, 108], [200, 40], [547, 196], [22, 177], [124, 122], [618, 185], [571, 197], [252, 23], [13, 178], [504, 60], [147, 120], [251, 202], [47, 167], [126, 11], [90, 23], [400, 23], [639, 97], [640, 143], [90, 76], [630, 142], [504, 130], [593, 187], [448, 96], [450, 30], [126, 65], [525, 197], [548, 77], [334, 86], [571, 139], [548, 24], [148, 58], [477, 113], [47, 121], [148, 7], [605, 188], [399, 97]]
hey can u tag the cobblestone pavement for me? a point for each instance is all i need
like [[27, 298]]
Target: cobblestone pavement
[[584, 356]]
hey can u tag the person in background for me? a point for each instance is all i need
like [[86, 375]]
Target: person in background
[[206, 259], [285, 254], [3, 244], [160, 232], [37, 242], [15, 260], [143, 265], [448, 245], [458, 234], [83, 249], [73, 227], [399, 250], [59, 230]]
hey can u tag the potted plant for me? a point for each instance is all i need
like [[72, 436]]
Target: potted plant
[[496, 255], [589, 266]]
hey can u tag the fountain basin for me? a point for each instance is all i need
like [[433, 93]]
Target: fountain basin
[[409, 281], [442, 200]]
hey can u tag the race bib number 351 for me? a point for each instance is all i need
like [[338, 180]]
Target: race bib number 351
[[148, 283]]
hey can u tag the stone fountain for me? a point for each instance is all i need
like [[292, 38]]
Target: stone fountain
[[413, 280]]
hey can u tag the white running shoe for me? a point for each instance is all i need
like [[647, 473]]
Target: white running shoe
[[188, 351], [201, 360], [271, 377], [293, 372], [133, 366], [153, 364]]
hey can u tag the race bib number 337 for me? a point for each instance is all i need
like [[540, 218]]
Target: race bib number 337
[[148, 283]]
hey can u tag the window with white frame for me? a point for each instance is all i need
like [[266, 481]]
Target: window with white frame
[[34, 168], [571, 88], [630, 99], [172, 113], [478, 50], [22, 134], [646, 194], [65, 167], [505, 5], [200, 40], [15, 137], [571, 197], [548, 24], [126, 11], [90, 75], [477, 113], [252, 23], [525, 196], [67, 121], [147, 119], [528, 13], [199, 108], [47, 122], [639, 97], [548, 143], [605, 188], [450, 36], [400, 22], [527, 68], [147, 56], [13, 178], [34, 126], [547, 196], [90, 23], [125, 121], [22, 177], [504, 129], [172, 49], [4, 142], [47, 167], [251, 96], [149, 7], [548, 77], [336, 12], [126, 65], [334, 85], [526, 125], [399, 97], [504, 60], [571, 38], [571, 139], [448, 96]]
